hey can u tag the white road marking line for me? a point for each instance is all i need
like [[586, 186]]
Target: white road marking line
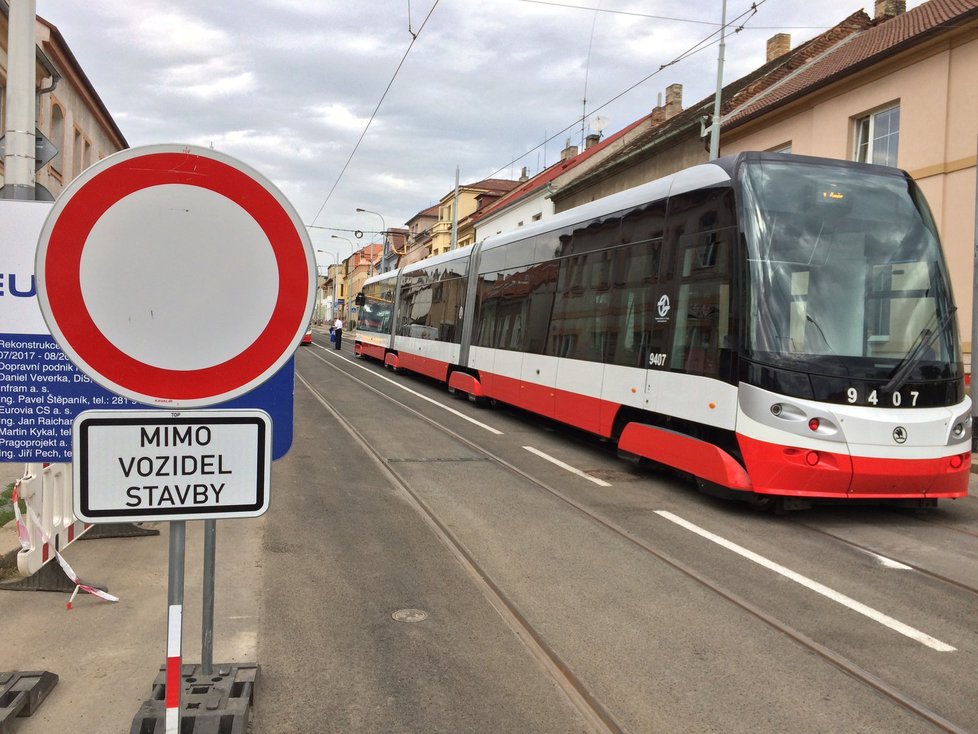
[[890, 563], [808, 583], [416, 394], [568, 467]]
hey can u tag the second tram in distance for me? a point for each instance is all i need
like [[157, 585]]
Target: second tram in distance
[[777, 326]]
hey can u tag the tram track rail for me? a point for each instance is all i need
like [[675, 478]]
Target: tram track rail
[[890, 556], [594, 712], [944, 525]]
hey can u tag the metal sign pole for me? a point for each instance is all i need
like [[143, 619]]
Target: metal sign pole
[[174, 630], [207, 617], [974, 324]]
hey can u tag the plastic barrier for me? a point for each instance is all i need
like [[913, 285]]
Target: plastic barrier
[[21, 693], [47, 534], [47, 491]]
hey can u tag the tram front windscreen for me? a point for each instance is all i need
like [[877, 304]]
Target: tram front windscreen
[[845, 273]]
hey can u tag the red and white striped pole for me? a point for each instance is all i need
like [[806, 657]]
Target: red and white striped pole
[[174, 629]]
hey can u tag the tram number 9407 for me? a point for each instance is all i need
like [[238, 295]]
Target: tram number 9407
[[897, 399]]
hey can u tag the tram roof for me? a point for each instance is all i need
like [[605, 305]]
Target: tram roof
[[689, 179]]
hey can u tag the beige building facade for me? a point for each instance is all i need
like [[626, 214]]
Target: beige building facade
[[70, 112]]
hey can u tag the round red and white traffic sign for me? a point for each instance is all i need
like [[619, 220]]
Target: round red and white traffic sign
[[175, 276]]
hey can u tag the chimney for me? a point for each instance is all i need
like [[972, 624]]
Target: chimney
[[778, 45], [591, 139], [569, 151], [674, 100], [886, 9], [523, 175]]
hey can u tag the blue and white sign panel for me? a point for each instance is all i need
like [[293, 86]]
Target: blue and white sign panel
[[143, 466], [41, 390]]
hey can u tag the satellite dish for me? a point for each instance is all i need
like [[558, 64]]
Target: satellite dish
[[599, 123]]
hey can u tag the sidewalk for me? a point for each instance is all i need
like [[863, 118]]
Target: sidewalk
[[106, 654]]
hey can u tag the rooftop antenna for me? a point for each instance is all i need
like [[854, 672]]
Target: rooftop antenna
[[587, 67], [599, 123]]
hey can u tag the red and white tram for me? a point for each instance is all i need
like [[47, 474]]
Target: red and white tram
[[774, 325]]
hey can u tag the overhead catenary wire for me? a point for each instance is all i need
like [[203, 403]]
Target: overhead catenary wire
[[696, 48], [701, 45], [618, 12], [414, 37]]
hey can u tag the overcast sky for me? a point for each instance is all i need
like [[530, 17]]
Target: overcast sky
[[288, 86]]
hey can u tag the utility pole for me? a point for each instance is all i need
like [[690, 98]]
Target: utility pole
[[18, 160], [454, 241], [715, 128]]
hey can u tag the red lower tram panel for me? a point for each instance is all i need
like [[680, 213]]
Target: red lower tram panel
[[684, 453], [370, 350], [797, 472]]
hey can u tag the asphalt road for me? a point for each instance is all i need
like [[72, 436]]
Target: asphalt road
[[539, 601]]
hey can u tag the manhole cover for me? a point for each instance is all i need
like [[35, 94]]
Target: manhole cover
[[410, 615]]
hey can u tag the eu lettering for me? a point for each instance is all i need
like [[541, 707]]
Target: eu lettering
[[13, 289]]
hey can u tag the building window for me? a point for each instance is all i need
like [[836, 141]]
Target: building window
[[57, 136], [877, 137], [82, 152]]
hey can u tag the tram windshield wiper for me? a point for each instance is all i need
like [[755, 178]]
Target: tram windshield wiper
[[924, 339], [842, 362]]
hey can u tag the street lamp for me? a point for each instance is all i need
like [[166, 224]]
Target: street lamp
[[384, 232], [352, 249], [336, 275]]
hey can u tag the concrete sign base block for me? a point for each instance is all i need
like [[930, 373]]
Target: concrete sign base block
[[21, 693], [219, 703]]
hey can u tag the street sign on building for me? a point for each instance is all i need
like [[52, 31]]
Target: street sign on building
[[44, 149]]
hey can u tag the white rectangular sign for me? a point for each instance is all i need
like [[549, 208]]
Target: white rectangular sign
[[154, 465]]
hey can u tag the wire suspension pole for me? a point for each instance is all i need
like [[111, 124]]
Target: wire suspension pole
[[715, 128]]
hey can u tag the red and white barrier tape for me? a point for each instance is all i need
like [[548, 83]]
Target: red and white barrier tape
[[22, 534]]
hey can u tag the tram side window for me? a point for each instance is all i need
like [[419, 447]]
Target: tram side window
[[635, 270], [485, 309], [646, 223], [704, 321], [582, 315], [514, 307], [413, 314], [446, 309]]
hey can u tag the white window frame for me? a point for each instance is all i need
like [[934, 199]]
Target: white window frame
[[875, 139]]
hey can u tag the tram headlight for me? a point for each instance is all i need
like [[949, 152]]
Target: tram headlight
[[776, 409], [958, 430]]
